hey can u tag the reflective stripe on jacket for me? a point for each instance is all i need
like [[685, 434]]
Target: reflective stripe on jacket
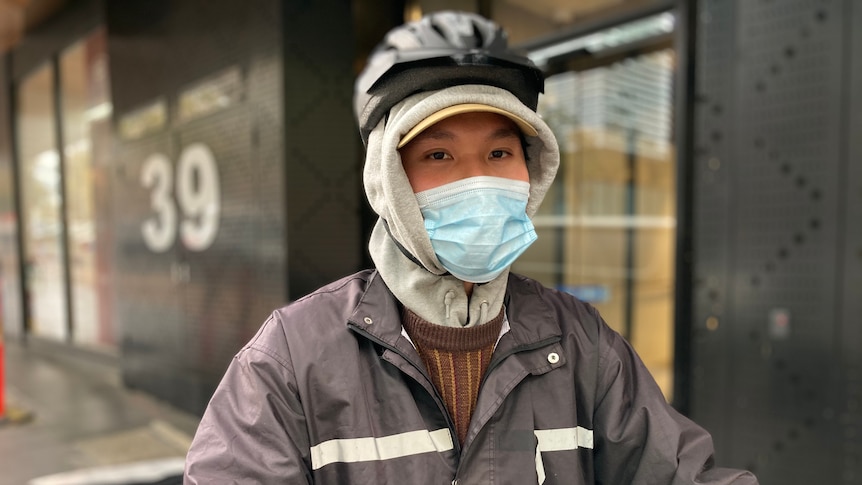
[[330, 391]]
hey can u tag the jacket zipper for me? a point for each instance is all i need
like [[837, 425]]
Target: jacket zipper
[[435, 395]]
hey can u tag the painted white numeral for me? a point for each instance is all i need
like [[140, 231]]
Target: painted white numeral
[[198, 197], [159, 233]]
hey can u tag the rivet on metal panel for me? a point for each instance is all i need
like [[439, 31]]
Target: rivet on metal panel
[[779, 323], [712, 324], [814, 224]]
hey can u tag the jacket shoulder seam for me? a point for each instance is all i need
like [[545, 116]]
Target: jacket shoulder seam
[[338, 286], [257, 345], [270, 353]]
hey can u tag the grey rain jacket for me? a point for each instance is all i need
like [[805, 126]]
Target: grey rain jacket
[[330, 391]]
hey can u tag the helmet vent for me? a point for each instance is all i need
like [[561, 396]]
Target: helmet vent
[[477, 34], [440, 50], [438, 30]]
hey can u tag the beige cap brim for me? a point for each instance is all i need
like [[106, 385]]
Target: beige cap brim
[[444, 113]]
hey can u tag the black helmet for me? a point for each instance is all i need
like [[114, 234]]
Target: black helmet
[[440, 50]]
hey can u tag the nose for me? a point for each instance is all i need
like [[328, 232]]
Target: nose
[[473, 166]]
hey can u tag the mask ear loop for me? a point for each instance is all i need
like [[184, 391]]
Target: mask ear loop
[[404, 250]]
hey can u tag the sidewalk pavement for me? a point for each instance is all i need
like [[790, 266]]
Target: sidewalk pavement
[[70, 421]]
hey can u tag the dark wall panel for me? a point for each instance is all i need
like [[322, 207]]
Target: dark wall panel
[[851, 255], [216, 70], [775, 257], [321, 144], [265, 88]]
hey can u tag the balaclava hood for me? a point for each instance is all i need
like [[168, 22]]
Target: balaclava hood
[[419, 281]]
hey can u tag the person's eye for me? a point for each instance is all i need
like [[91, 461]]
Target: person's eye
[[499, 153], [438, 155]]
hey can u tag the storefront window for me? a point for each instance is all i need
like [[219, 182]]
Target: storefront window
[[607, 227], [41, 205], [86, 111]]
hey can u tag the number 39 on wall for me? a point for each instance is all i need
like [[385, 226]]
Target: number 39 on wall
[[198, 199]]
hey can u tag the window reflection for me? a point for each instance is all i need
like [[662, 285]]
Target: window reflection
[[41, 205], [86, 111], [607, 227]]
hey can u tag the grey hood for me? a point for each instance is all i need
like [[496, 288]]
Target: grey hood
[[423, 285]]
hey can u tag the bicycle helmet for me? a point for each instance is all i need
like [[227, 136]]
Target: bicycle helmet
[[440, 50]]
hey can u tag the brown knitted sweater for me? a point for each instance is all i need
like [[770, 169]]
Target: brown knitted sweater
[[456, 359]]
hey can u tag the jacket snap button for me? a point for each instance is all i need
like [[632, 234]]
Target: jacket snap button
[[553, 357], [368, 320]]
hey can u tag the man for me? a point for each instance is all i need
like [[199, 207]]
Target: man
[[439, 366]]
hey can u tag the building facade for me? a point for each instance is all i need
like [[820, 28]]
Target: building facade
[[170, 172]]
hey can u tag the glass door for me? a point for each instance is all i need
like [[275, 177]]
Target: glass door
[[40, 179], [86, 123], [607, 228]]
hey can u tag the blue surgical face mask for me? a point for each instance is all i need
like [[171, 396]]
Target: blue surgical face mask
[[478, 226]]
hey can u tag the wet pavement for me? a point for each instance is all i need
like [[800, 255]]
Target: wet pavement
[[71, 421]]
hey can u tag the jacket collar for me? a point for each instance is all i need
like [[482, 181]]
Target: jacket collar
[[531, 318]]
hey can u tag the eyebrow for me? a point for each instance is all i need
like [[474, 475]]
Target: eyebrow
[[505, 133]]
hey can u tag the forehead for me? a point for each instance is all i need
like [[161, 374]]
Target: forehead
[[478, 123]]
